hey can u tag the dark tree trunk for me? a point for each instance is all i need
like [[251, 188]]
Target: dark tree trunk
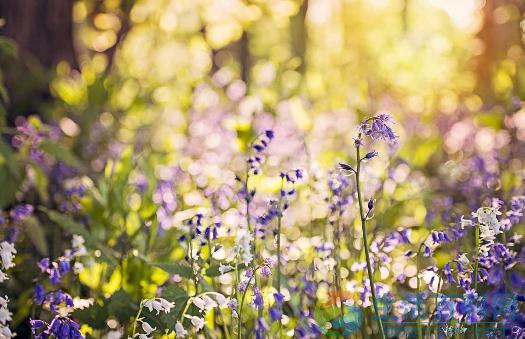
[[43, 31]]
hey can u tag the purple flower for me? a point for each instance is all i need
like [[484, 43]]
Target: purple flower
[[275, 314], [54, 274], [379, 128], [43, 264], [265, 271], [279, 298], [370, 155], [260, 328], [258, 300], [20, 212], [39, 295], [65, 265]]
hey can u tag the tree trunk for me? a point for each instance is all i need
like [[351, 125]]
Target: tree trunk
[[43, 31]]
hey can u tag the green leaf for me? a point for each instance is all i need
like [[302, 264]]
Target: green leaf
[[11, 175], [183, 270], [60, 153], [9, 160], [41, 182], [74, 227], [36, 233], [95, 316], [180, 297], [8, 47], [122, 306], [213, 270]]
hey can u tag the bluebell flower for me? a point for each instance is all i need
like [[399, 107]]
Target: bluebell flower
[[379, 128], [261, 328], [65, 265], [265, 271], [370, 155], [40, 294], [275, 314], [258, 300], [54, 275], [279, 298], [43, 264]]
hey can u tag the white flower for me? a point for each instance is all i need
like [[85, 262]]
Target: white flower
[[147, 328], [489, 227], [5, 332], [209, 302], [7, 252], [180, 331], [158, 304], [463, 260], [224, 268], [431, 279], [3, 277], [114, 335], [80, 303], [78, 267], [197, 322], [466, 222], [199, 302], [5, 315], [222, 300], [78, 245]]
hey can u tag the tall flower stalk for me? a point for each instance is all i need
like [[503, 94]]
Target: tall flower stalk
[[377, 128], [365, 240]]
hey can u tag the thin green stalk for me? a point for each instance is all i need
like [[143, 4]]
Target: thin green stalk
[[279, 217], [136, 320], [419, 327], [475, 274], [242, 301], [339, 290], [365, 245]]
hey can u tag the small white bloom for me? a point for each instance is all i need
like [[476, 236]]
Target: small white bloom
[[3, 277], [147, 328], [197, 322], [166, 305], [180, 331], [78, 245], [199, 302], [222, 300], [114, 335], [431, 279], [5, 332], [463, 260], [5, 315], [158, 304], [80, 303], [209, 302], [78, 267], [224, 268], [7, 253], [466, 222]]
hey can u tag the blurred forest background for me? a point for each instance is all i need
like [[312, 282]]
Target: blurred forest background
[[132, 67], [188, 83]]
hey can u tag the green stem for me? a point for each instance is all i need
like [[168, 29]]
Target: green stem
[[136, 320], [419, 327], [365, 245], [242, 301]]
